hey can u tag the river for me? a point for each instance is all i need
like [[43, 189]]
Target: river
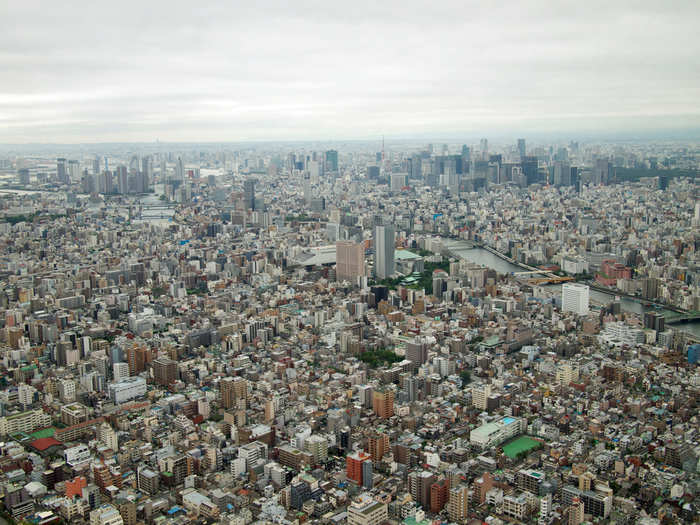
[[485, 258]]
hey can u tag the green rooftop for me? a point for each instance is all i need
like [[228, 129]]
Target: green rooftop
[[44, 433], [405, 255]]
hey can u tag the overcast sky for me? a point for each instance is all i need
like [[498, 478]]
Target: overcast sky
[[139, 71]]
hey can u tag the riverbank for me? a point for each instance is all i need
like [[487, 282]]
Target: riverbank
[[490, 258]]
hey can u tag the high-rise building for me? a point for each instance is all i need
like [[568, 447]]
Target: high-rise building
[[530, 169], [417, 351], [419, 483], [439, 495], [249, 194], [122, 180], [378, 445], [458, 502], [353, 465], [350, 260], [331, 160], [383, 251], [180, 170], [484, 147], [232, 389], [107, 436], [574, 298], [61, 172], [317, 446], [164, 371], [383, 404], [120, 371], [480, 396], [521, 147]]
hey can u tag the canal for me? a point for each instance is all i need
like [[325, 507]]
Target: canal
[[483, 257]]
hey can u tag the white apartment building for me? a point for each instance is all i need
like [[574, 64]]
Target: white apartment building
[[575, 298]]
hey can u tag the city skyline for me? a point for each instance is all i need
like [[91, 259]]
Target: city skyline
[[95, 73]]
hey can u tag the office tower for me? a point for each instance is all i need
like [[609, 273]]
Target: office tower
[[353, 466], [23, 176], [122, 180], [484, 147], [147, 166], [383, 404], [350, 261], [574, 298], [562, 174], [383, 251], [308, 195], [331, 160], [398, 181], [164, 371], [73, 170], [180, 170], [108, 182], [61, 173], [457, 505], [417, 351], [372, 172], [602, 172], [96, 165], [521, 147], [249, 194], [530, 169]]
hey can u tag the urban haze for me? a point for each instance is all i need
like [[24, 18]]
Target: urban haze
[[395, 263]]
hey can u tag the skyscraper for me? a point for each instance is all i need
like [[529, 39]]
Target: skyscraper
[[350, 260], [331, 160], [521, 147], [574, 298], [61, 173], [383, 251], [530, 169], [180, 169], [249, 194]]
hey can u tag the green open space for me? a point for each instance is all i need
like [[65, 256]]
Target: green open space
[[520, 445]]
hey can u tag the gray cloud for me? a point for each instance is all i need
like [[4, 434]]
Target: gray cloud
[[97, 71]]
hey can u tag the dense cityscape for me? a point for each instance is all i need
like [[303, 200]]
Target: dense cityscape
[[394, 332]]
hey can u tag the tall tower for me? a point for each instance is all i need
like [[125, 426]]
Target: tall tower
[[249, 194], [383, 251]]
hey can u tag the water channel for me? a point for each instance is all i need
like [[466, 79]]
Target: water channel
[[483, 257]]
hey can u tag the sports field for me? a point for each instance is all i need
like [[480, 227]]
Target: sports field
[[522, 444]]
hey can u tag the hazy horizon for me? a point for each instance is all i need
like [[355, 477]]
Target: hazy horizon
[[90, 73]]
